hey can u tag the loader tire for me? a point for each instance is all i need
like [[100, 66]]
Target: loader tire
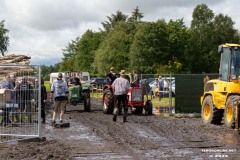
[[230, 111], [210, 114], [107, 102]]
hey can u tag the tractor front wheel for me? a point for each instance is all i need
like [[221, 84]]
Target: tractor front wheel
[[87, 102]]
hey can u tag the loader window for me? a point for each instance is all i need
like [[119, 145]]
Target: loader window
[[224, 64], [235, 63]]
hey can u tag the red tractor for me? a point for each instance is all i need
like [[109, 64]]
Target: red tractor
[[135, 101]]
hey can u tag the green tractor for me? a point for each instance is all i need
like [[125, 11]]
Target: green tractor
[[80, 94]]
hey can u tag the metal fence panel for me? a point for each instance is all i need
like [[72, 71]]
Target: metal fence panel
[[20, 107], [189, 89]]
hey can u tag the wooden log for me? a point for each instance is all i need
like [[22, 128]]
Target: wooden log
[[15, 59]]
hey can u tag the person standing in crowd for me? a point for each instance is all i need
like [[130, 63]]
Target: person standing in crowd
[[59, 91], [160, 86], [165, 85], [25, 93], [120, 89], [155, 90], [7, 84], [110, 76], [205, 79], [14, 109], [74, 80], [136, 79], [43, 98]]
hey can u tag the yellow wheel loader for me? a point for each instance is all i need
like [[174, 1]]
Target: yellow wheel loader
[[221, 96]]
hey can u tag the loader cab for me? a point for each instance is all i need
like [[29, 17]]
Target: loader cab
[[230, 62]]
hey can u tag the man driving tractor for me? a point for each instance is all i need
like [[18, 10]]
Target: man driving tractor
[[110, 76], [74, 80]]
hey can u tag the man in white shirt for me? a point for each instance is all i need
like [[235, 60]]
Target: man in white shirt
[[120, 89]]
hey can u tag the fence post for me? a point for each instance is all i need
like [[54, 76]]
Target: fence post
[[170, 92]]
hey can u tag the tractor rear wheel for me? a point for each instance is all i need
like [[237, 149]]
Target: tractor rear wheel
[[230, 111], [108, 101], [209, 113]]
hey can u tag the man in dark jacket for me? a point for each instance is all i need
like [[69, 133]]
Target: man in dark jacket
[[25, 93], [74, 80], [110, 76], [43, 98]]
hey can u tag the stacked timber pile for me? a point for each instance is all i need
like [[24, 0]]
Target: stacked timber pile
[[15, 60], [18, 65]]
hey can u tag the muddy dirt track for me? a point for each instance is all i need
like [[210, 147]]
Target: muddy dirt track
[[95, 136]]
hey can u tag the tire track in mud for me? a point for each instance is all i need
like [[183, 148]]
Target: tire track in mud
[[95, 136], [90, 142], [135, 136]]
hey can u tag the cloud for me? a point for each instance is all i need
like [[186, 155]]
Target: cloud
[[42, 28]]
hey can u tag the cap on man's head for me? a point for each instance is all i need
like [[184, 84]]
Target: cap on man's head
[[160, 77], [122, 72], [112, 69]]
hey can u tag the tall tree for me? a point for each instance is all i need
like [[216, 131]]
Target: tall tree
[[150, 47], [86, 48], [69, 54], [177, 38], [4, 39], [136, 16], [114, 49], [224, 28], [113, 20], [202, 39]]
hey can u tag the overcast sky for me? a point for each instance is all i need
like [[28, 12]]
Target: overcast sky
[[42, 28]]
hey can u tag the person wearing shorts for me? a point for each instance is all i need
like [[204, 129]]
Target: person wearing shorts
[[59, 91]]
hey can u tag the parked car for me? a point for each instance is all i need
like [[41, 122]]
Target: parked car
[[98, 81], [153, 85]]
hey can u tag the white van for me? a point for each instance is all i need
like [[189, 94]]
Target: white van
[[84, 76], [54, 76]]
